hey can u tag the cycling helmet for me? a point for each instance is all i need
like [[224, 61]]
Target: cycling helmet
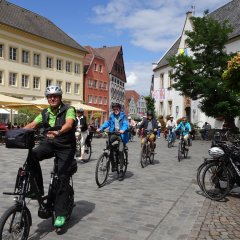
[[129, 118], [116, 105], [216, 152], [171, 116], [55, 90], [149, 113], [80, 110]]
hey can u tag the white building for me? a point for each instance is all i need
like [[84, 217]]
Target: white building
[[168, 100]]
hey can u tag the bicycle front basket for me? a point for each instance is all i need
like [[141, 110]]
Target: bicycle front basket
[[20, 138]]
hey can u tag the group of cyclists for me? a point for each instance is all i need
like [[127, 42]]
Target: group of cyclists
[[60, 123]]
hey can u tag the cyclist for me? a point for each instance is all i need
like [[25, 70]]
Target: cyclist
[[60, 143], [185, 127], [171, 125], [82, 124], [159, 129], [150, 124], [117, 123], [132, 125]]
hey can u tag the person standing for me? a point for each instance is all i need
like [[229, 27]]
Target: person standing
[[82, 125], [58, 121]]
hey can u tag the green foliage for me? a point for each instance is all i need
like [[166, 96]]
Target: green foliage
[[199, 76], [26, 115], [150, 102]]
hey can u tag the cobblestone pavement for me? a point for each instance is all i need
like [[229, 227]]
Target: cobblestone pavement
[[159, 202]]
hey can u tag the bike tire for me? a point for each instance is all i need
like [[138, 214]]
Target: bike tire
[[102, 169], [20, 223], [185, 151], [180, 157], [169, 144], [125, 163], [143, 156], [216, 181], [151, 158], [87, 154], [78, 149]]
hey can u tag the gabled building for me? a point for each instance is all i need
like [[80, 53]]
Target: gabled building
[[117, 77], [96, 81], [168, 100], [131, 99], [35, 53]]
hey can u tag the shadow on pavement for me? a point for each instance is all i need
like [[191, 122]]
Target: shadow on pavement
[[81, 209]]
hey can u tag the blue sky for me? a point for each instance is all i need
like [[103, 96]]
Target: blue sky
[[145, 29]]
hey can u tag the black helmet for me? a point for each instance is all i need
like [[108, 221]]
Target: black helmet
[[149, 113], [116, 105]]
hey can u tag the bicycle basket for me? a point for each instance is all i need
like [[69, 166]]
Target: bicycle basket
[[20, 138]]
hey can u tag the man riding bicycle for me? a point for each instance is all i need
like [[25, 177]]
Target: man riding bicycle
[[117, 123], [185, 127], [171, 125], [150, 125], [59, 143]]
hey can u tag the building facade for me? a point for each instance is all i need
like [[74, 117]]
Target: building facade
[[35, 53]]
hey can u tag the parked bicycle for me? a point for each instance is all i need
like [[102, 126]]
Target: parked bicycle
[[147, 156], [182, 150], [87, 145], [16, 221], [110, 156]]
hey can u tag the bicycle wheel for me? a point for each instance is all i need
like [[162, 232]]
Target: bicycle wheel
[[87, 153], [102, 169], [15, 224], [143, 157], [78, 148], [185, 150], [151, 158], [180, 154], [216, 181], [125, 163]]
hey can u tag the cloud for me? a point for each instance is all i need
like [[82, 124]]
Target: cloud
[[151, 25]]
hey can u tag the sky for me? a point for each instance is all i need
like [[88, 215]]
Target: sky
[[145, 29]]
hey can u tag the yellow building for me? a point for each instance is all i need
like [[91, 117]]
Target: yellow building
[[35, 53]]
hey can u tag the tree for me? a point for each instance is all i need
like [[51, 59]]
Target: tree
[[150, 102], [199, 76], [25, 116]]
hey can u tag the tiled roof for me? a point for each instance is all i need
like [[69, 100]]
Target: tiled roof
[[229, 11], [27, 21], [110, 54]]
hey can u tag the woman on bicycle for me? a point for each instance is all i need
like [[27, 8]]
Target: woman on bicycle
[[185, 127], [117, 122], [150, 125]]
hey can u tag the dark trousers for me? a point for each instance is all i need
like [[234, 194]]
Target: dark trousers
[[114, 138], [48, 149]]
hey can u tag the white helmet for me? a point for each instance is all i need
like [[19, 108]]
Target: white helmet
[[129, 118], [216, 152], [55, 90]]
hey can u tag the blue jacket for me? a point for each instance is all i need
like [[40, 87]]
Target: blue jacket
[[184, 128], [123, 124]]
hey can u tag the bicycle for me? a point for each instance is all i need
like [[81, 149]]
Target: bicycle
[[171, 137], [16, 221], [87, 145], [146, 154], [182, 150], [104, 161]]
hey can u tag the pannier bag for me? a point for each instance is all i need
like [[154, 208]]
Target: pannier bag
[[20, 138]]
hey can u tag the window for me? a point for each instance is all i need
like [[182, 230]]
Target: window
[[77, 68], [90, 82], [76, 88], [95, 83], [25, 81], [100, 100], [59, 83], [49, 82], [95, 99], [100, 68], [59, 64], [13, 54], [49, 62], [68, 87], [1, 50], [25, 56], [1, 77], [36, 82], [89, 98], [95, 67], [68, 66], [100, 85], [170, 80], [161, 80], [36, 59], [105, 100], [105, 86], [12, 79]]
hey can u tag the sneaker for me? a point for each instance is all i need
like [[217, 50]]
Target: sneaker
[[59, 221], [121, 176]]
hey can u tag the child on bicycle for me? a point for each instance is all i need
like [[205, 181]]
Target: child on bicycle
[[185, 127], [117, 122], [150, 125]]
